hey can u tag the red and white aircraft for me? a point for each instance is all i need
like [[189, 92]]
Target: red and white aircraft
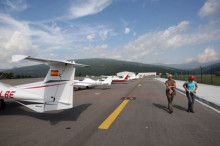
[[54, 93], [120, 78]]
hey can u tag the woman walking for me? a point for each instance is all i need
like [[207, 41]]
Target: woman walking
[[170, 91], [190, 87]]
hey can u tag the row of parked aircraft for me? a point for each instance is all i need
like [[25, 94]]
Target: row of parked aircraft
[[105, 80], [56, 91]]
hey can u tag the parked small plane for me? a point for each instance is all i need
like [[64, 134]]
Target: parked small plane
[[88, 83], [54, 93], [120, 78], [133, 77]]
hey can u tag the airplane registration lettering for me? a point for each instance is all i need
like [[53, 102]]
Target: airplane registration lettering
[[12, 94], [8, 94], [1, 94]]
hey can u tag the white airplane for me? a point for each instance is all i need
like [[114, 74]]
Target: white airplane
[[54, 93], [88, 83], [133, 77], [120, 78]]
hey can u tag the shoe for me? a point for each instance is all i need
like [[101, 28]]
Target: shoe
[[171, 112], [188, 110], [192, 111]]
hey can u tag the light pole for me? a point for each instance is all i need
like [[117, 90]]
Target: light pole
[[211, 75]]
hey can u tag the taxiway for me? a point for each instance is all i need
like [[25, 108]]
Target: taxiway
[[142, 121]]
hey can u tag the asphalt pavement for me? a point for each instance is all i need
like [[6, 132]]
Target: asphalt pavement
[[143, 121]]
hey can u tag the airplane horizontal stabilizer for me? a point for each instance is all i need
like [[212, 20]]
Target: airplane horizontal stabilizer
[[16, 58]]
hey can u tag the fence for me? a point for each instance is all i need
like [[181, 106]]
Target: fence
[[210, 79]]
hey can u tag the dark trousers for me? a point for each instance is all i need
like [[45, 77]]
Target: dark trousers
[[170, 99], [191, 99]]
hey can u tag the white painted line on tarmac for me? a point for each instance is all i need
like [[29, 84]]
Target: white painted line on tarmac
[[206, 105]]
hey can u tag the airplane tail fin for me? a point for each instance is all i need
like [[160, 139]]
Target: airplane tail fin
[[108, 80], [126, 77], [57, 88]]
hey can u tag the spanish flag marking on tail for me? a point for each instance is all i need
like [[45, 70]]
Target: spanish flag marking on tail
[[54, 72]]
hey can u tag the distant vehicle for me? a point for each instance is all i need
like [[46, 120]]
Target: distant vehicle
[[217, 73], [54, 93], [120, 78], [88, 83]]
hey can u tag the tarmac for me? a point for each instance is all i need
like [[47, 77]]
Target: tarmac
[[208, 94], [144, 119]]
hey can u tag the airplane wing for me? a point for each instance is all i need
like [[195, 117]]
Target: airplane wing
[[16, 58]]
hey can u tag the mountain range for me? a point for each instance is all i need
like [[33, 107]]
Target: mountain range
[[100, 66], [191, 65]]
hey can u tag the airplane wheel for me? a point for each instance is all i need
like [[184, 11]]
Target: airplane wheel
[[87, 87], [2, 104]]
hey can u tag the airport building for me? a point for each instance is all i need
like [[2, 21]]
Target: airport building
[[147, 74]]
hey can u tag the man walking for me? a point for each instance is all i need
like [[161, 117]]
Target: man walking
[[170, 92]]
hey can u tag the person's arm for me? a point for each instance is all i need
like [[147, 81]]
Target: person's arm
[[196, 86], [184, 86], [174, 85], [167, 85]]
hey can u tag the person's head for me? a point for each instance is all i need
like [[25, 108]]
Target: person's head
[[191, 78], [170, 76]]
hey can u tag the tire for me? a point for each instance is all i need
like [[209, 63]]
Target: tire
[[2, 104]]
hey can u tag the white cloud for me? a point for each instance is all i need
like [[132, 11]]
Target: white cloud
[[22, 37], [87, 7], [96, 33], [103, 34], [209, 54], [14, 39], [55, 28], [210, 9], [16, 5], [94, 51], [17, 43], [96, 48], [127, 30], [189, 60], [162, 40], [99, 33], [52, 55], [174, 37], [38, 39], [90, 36]]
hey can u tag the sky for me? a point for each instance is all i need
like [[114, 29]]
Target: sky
[[146, 31]]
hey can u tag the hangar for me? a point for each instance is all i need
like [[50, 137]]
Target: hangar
[[147, 74]]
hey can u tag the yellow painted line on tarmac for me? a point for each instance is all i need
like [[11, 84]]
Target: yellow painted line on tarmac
[[107, 123], [139, 85]]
